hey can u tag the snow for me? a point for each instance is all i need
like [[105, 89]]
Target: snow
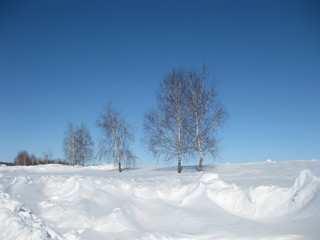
[[267, 200]]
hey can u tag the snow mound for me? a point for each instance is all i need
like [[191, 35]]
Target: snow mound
[[102, 167], [18, 222], [209, 177], [265, 201], [270, 161]]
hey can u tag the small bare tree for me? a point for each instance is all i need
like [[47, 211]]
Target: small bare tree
[[117, 137], [47, 156], [22, 158], [78, 145], [33, 159], [70, 145], [164, 126], [206, 114], [84, 145]]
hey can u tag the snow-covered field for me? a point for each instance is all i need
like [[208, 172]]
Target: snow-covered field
[[267, 200]]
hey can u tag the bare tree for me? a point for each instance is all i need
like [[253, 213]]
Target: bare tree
[[78, 145], [206, 113], [47, 156], [117, 137], [22, 158], [164, 126], [33, 159], [85, 145], [187, 117], [70, 145]]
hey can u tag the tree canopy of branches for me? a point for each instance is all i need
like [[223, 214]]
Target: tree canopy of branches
[[117, 137], [23, 158], [164, 126], [78, 145], [206, 114], [187, 117]]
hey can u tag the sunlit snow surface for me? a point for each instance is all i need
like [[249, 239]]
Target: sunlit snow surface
[[269, 200]]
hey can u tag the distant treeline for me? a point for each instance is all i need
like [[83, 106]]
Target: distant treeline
[[26, 159], [6, 163]]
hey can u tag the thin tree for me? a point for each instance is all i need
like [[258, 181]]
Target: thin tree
[[84, 145], [70, 144], [206, 114], [47, 156], [78, 145], [164, 126], [117, 137]]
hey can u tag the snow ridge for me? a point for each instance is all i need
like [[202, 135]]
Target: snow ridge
[[264, 201]]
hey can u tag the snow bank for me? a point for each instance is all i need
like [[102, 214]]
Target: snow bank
[[102, 167], [263, 201]]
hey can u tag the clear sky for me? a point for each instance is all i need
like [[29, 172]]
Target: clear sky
[[61, 61]]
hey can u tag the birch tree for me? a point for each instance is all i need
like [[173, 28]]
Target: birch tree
[[70, 145], [78, 145], [164, 126], [206, 114], [117, 137], [85, 145]]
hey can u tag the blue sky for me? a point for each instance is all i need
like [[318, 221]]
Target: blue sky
[[62, 61]]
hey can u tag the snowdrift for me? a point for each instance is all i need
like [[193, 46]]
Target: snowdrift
[[265, 201], [62, 202], [18, 222]]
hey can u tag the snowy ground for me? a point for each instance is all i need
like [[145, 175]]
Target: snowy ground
[[269, 200]]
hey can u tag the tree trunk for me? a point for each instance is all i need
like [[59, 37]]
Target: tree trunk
[[179, 164], [179, 143], [119, 164], [201, 155], [116, 149], [201, 162]]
